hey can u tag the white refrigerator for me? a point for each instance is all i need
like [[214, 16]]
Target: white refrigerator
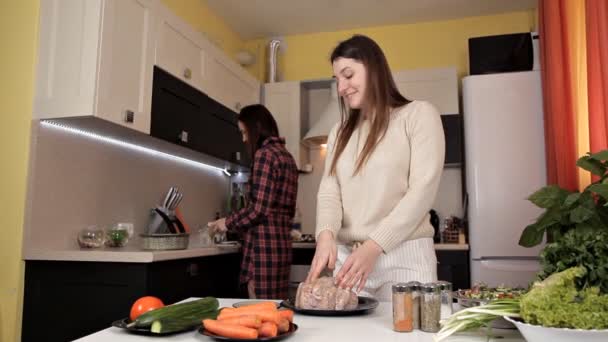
[[505, 163]]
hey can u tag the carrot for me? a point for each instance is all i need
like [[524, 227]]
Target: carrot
[[249, 321], [229, 330], [265, 315], [252, 309], [268, 329], [283, 325], [286, 313]]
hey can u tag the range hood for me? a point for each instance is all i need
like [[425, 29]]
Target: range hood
[[317, 135]]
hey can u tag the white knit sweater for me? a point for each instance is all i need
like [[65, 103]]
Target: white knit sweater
[[388, 201]]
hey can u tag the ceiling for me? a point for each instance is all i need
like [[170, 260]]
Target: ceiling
[[273, 18]]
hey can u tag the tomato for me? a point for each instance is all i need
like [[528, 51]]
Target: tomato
[[143, 305]]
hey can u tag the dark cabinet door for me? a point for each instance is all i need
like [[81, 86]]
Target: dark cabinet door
[[453, 266], [452, 128], [66, 300], [186, 116]]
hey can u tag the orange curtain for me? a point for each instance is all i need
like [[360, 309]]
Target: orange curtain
[[556, 64], [597, 72]]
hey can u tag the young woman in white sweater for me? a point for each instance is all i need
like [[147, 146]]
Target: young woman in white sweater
[[383, 166]]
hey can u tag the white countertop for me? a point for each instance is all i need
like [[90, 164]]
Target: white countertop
[[127, 254], [133, 253], [376, 326]]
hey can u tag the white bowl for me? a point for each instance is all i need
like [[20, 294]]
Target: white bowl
[[537, 333]]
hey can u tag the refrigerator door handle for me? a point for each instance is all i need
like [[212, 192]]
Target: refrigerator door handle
[[511, 265]]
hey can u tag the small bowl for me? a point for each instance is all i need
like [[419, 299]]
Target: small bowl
[[91, 237], [117, 237], [537, 333]]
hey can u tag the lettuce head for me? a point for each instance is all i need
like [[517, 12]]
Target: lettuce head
[[556, 302]]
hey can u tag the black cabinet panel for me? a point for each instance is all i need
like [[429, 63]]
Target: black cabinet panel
[[453, 266], [66, 300], [184, 115], [452, 128]]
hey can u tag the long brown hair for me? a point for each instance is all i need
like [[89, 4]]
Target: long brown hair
[[260, 125], [381, 95]]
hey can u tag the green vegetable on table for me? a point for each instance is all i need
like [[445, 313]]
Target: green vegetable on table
[[554, 302], [178, 317]]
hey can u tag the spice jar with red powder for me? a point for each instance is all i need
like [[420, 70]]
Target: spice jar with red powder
[[403, 307]]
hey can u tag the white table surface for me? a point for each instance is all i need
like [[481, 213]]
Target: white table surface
[[375, 327]]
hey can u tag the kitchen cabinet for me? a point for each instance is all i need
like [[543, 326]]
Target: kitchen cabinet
[[453, 266], [227, 82], [454, 145], [65, 300], [179, 49], [283, 100], [95, 58], [183, 115], [189, 56]]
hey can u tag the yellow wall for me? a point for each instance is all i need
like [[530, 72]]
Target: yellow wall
[[202, 19], [18, 34], [423, 45]]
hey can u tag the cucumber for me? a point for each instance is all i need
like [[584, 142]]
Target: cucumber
[[170, 325], [176, 312]]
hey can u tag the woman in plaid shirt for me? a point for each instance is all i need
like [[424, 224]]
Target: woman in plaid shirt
[[266, 221]]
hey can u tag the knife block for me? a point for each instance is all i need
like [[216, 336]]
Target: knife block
[[162, 221]]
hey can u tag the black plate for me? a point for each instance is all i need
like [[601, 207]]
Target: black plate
[[122, 323], [366, 305], [292, 329]]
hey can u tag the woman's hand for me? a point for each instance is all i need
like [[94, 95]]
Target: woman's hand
[[218, 226], [359, 264], [325, 255]]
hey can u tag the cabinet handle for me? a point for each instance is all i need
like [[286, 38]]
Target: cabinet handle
[[129, 116], [187, 73], [183, 136]]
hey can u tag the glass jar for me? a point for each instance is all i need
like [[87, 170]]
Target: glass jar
[[117, 236], [430, 307], [447, 298], [415, 285], [402, 308], [90, 237]]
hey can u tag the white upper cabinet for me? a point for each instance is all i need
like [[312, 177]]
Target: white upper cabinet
[[125, 73], [179, 49], [228, 83], [437, 85], [95, 58], [283, 100], [189, 56]]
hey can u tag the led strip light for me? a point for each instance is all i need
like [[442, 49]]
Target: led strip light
[[134, 147]]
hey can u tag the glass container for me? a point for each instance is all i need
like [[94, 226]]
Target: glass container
[[430, 307], [415, 285], [447, 298], [402, 308], [91, 237]]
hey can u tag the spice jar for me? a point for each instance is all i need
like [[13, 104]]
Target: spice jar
[[446, 298], [430, 307], [402, 308], [415, 285]]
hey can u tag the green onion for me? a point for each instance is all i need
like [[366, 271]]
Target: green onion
[[477, 317]]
